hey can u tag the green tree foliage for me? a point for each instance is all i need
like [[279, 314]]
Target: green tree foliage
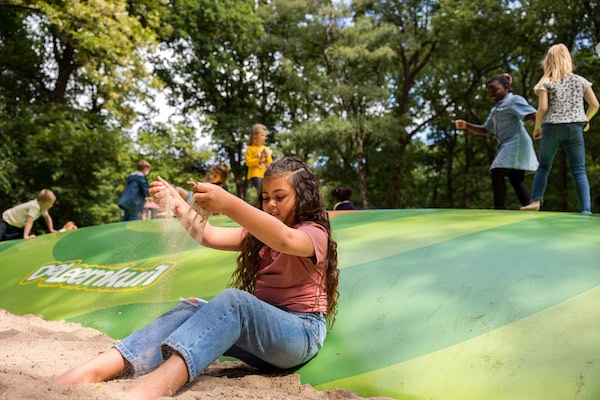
[[93, 49], [473, 47], [70, 73], [414, 43], [366, 91], [172, 151], [352, 65], [220, 72], [520, 36], [70, 152]]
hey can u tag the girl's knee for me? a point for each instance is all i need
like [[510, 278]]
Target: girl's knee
[[233, 301], [232, 296], [578, 169]]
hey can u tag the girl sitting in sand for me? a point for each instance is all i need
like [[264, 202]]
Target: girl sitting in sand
[[284, 298]]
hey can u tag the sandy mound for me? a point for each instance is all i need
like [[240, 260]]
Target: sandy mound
[[33, 351]]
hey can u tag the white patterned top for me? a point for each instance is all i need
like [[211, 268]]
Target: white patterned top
[[565, 99]]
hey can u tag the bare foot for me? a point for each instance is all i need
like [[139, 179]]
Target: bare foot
[[533, 206], [105, 366], [76, 375], [166, 380]]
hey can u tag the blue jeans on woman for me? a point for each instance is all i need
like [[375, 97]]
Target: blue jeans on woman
[[235, 323], [570, 136]]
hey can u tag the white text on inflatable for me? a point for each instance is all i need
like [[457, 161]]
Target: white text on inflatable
[[78, 276]]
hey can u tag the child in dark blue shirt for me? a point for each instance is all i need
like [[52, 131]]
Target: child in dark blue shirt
[[134, 196]]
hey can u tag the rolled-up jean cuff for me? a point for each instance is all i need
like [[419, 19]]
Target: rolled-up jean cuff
[[131, 359], [169, 346]]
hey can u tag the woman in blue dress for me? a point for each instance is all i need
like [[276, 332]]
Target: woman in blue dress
[[515, 152]]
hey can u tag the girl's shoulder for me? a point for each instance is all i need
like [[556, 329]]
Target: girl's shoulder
[[581, 79], [567, 83], [516, 101], [310, 226], [516, 98], [567, 80]]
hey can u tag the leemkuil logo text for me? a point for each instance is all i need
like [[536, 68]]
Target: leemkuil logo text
[[79, 276]]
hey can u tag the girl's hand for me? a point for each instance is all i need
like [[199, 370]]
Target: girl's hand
[[212, 198], [164, 194], [537, 133], [262, 157], [460, 124], [587, 127]]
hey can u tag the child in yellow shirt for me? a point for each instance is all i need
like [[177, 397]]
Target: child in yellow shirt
[[258, 156]]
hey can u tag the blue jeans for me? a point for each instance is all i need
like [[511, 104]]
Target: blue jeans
[[235, 323], [9, 232], [131, 215], [570, 136], [256, 183]]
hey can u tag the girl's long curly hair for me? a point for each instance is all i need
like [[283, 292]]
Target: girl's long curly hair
[[310, 206]]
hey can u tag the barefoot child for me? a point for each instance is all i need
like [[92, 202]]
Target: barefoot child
[[561, 120], [285, 291]]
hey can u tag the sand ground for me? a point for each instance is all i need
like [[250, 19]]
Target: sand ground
[[33, 351]]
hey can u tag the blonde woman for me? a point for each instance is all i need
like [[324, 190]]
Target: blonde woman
[[560, 120]]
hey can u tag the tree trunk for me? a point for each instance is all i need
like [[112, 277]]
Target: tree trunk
[[239, 171], [66, 67], [362, 171], [397, 177]]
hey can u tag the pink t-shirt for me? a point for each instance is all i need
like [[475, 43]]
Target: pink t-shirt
[[297, 283]]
